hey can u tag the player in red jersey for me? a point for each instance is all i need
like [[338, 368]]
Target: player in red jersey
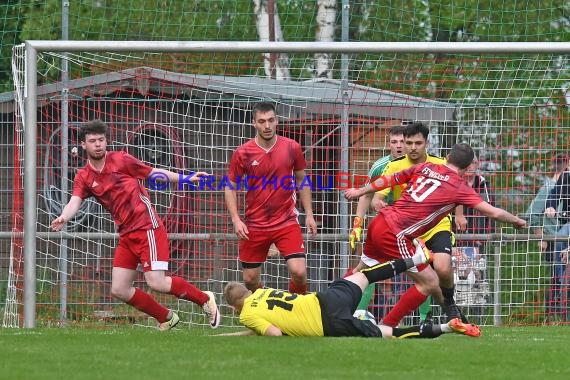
[[433, 190], [271, 168], [114, 179]]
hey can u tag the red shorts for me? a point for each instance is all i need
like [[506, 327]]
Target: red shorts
[[382, 244], [150, 248], [288, 240]]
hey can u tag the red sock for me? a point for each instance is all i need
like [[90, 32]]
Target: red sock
[[409, 302], [147, 304], [182, 289], [296, 288], [349, 272]]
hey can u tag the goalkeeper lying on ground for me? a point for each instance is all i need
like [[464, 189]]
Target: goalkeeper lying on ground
[[273, 312]]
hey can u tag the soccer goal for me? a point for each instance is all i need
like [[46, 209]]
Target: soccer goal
[[185, 106]]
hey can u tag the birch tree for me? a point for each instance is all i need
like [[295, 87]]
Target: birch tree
[[276, 65], [326, 17]]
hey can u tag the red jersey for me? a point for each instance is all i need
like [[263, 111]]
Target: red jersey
[[268, 177], [433, 191], [118, 187]]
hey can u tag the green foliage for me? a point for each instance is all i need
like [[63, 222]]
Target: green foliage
[[396, 20], [12, 13], [118, 20]]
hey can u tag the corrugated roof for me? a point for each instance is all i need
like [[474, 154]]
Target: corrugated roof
[[319, 96]]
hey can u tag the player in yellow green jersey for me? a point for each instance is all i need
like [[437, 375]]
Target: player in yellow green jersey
[[396, 147], [439, 239], [273, 312]]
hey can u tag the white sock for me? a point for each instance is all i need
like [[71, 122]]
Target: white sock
[[445, 328]]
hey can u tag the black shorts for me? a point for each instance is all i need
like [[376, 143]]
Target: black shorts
[[338, 304], [440, 242]]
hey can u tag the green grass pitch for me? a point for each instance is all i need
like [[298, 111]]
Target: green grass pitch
[[534, 353]]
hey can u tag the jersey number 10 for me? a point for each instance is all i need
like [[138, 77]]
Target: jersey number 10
[[422, 188]]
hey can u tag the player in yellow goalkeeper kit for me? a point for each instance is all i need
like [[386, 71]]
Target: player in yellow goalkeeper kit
[[396, 146], [439, 239], [273, 312]]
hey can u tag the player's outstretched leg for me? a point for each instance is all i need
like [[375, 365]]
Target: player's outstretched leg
[[425, 308], [421, 249], [392, 268], [468, 329], [452, 310], [428, 330], [187, 291], [211, 310], [172, 321]]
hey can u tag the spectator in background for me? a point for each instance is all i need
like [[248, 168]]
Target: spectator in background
[[556, 190], [469, 257], [534, 214], [477, 223]]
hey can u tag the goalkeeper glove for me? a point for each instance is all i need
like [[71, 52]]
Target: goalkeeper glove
[[356, 232]]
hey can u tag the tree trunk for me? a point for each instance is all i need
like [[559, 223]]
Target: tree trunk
[[326, 17], [278, 67]]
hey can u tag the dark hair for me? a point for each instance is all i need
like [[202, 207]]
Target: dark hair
[[559, 162], [415, 128], [461, 155], [396, 130], [262, 107], [93, 127]]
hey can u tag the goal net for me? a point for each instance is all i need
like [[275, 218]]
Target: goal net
[[188, 111]]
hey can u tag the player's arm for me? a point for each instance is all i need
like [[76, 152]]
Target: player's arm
[[460, 219], [364, 203], [380, 183], [500, 214], [306, 202], [273, 331], [361, 209], [559, 191], [379, 201], [534, 214], [230, 195], [358, 221], [238, 333], [535, 210], [69, 210], [261, 326], [176, 177]]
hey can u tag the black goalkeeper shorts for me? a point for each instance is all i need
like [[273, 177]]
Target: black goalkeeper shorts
[[338, 304]]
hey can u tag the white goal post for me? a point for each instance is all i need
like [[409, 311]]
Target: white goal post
[[34, 49]]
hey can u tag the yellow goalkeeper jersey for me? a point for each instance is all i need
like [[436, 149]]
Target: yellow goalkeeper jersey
[[293, 314], [402, 163]]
